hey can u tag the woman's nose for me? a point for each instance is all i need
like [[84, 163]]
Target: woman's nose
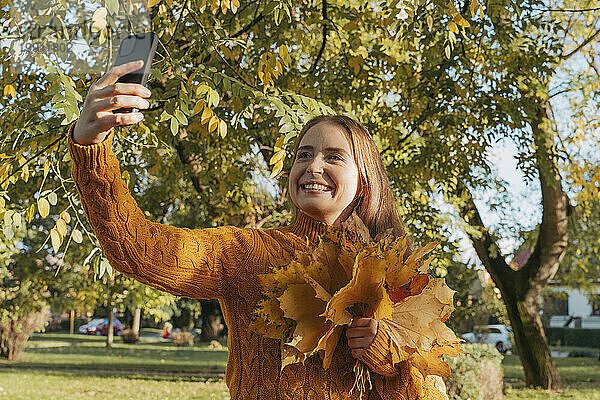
[[315, 167]]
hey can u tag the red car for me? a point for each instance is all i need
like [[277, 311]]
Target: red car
[[99, 326]]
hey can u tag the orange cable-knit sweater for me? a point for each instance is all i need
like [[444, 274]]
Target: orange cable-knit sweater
[[223, 263]]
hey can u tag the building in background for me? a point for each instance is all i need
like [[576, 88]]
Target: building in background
[[572, 308]]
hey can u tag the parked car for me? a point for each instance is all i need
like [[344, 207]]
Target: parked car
[[498, 335], [99, 326]]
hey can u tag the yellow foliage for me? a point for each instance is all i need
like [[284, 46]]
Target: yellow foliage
[[56, 239], [43, 207], [276, 169], [308, 302], [9, 90]]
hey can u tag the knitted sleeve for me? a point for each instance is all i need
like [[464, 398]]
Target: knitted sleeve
[[378, 356], [378, 359], [192, 263]]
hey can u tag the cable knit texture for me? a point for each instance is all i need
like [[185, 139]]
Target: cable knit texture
[[223, 263]]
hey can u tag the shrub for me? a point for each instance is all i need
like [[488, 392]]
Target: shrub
[[129, 336], [184, 338], [573, 337], [476, 375], [15, 331]]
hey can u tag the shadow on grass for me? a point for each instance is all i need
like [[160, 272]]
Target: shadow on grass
[[134, 376], [137, 351], [121, 368]]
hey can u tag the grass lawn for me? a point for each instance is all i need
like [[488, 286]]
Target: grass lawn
[[48, 385], [82, 352], [580, 376], [60, 366]]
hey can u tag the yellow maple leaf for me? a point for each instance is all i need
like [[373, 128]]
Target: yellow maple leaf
[[328, 343], [269, 319], [417, 326], [431, 363], [397, 277], [299, 303], [367, 286]]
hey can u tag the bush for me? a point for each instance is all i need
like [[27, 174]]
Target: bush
[[129, 336], [476, 375], [573, 337], [15, 331], [184, 338]]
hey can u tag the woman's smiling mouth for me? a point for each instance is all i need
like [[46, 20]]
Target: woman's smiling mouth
[[315, 188]]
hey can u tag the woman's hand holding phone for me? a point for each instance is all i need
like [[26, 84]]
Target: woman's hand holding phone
[[105, 95]]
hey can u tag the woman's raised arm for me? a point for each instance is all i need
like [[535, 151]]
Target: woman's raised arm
[[192, 263]]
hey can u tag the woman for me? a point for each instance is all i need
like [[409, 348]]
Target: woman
[[337, 169]]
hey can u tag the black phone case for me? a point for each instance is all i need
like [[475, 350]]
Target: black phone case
[[136, 47]]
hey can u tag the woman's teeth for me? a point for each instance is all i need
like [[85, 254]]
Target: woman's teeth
[[314, 186]]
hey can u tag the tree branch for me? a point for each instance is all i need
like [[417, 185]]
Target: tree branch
[[324, 13], [249, 26], [551, 243], [183, 9], [582, 45], [570, 10], [485, 245], [33, 157]]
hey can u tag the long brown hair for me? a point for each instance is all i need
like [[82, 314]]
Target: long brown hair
[[375, 199]]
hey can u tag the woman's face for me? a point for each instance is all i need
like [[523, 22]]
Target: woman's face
[[324, 177]]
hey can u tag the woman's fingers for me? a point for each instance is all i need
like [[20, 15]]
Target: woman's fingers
[[361, 333], [105, 95], [122, 88], [109, 121], [362, 326], [116, 72], [120, 101], [359, 343]]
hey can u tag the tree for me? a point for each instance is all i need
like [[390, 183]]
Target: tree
[[437, 83], [20, 314], [28, 290], [115, 291]]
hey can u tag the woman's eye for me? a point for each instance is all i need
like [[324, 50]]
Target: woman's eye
[[304, 154], [336, 157]]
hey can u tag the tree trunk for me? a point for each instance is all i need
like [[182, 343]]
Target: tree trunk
[[71, 322], [530, 341], [136, 321], [210, 320], [109, 332], [14, 333]]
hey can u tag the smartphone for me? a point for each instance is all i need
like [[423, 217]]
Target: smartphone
[[136, 47]]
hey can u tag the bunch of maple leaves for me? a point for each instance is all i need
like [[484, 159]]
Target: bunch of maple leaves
[[308, 302]]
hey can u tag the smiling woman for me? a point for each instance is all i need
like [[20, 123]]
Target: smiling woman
[[339, 153], [337, 169], [324, 177]]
